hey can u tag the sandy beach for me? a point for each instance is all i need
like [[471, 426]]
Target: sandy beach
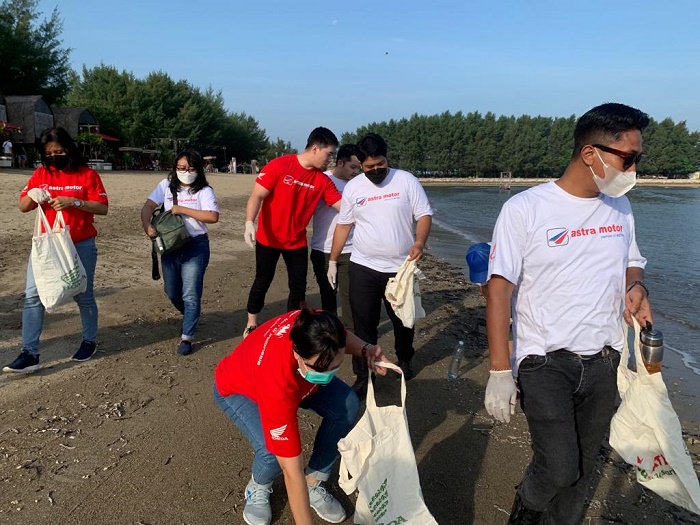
[[133, 436]]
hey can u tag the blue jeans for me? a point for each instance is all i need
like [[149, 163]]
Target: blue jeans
[[569, 401], [335, 402], [183, 281], [33, 313]]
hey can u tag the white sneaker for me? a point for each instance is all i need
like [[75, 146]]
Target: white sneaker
[[257, 510], [325, 505]]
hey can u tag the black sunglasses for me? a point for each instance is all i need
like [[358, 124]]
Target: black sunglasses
[[628, 157]]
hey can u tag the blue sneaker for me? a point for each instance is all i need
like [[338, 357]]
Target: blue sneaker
[[257, 510], [25, 363], [185, 348], [85, 352], [325, 505]]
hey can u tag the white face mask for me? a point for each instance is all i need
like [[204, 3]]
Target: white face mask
[[616, 183], [186, 177]]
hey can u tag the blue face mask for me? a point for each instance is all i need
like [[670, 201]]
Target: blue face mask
[[318, 378]]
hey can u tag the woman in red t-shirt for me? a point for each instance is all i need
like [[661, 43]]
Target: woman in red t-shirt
[[287, 363], [62, 183]]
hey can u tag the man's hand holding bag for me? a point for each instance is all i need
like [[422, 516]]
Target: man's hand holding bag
[[645, 431]]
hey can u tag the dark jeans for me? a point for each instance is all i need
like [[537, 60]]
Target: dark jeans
[[319, 262], [366, 296], [297, 263], [568, 401]]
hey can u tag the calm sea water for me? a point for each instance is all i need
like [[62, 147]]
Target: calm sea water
[[668, 234]]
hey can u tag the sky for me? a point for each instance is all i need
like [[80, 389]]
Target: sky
[[295, 65]]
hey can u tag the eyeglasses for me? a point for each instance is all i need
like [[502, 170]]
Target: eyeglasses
[[629, 158], [183, 168]]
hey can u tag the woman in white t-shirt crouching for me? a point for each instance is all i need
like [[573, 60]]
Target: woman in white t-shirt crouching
[[183, 271]]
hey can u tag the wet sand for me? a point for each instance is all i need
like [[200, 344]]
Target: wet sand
[[134, 436]]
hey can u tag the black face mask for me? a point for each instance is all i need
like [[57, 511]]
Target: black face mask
[[377, 175], [60, 162]]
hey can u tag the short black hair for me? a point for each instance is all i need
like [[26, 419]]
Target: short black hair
[[194, 159], [317, 332], [322, 137], [62, 137], [371, 145], [605, 124], [346, 152]]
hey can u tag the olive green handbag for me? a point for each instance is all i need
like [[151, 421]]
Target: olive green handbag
[[172, 235]]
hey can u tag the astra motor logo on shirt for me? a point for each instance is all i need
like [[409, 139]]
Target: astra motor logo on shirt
[[557, 237], [289, 181], [560, 236], [276, 433], [361, 201]]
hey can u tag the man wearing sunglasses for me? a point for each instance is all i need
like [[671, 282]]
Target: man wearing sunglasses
[[564, 255]]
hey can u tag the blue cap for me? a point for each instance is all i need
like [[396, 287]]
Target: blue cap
[[478, 262]]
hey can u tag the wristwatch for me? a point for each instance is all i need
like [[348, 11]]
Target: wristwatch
[[78, 203]]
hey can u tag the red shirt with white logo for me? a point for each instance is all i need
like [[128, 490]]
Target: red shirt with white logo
[[294, 193], [83, 183], [263, 369]]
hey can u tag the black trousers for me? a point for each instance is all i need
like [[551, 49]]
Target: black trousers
[[329, 300], [297, 263], [366, 296]]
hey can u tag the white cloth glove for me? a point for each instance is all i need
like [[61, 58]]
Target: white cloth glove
[[39, 195], [500, 395], [249, 234], [332, 273]]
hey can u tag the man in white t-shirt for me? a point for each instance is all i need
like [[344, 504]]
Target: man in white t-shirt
[[7, 150], [565, 259], [325, 218], [382, 204]]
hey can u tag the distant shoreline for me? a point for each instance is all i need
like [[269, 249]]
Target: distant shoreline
[[477, 181], [428, 181]]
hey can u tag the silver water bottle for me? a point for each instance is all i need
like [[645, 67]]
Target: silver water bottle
[[652, 347], [159, 244]]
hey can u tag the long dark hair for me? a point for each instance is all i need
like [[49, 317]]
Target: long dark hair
[[61, 137], [318, 333], [194, 159]]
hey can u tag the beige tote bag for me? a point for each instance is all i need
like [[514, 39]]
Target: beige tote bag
[[58, 272], [645, 431], [403, 292], [377, 460]]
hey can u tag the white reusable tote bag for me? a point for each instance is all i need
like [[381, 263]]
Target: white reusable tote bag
[[58, 271], [377, 460], [403, 292], [645, 431]]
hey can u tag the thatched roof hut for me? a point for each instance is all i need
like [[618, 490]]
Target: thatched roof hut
[[31, 113], [74, 120]]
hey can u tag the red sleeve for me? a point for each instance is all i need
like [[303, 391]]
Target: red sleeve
[[280, 424], [270, 174], [35, 181], [330, 193], [95, 188]]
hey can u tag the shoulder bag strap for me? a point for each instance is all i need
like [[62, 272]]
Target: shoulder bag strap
[[155, 270]]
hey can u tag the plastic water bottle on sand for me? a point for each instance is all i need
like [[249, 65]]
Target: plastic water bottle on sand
[[456, 361]]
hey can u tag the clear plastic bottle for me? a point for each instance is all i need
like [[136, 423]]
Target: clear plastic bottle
[[456, 361]]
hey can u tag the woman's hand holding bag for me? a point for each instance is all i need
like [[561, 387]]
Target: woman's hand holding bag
[[58, 272]]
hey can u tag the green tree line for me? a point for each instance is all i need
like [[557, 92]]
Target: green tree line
[[156, 112], [475, 145]]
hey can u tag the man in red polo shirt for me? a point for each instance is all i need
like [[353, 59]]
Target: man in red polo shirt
[[285, 196]]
